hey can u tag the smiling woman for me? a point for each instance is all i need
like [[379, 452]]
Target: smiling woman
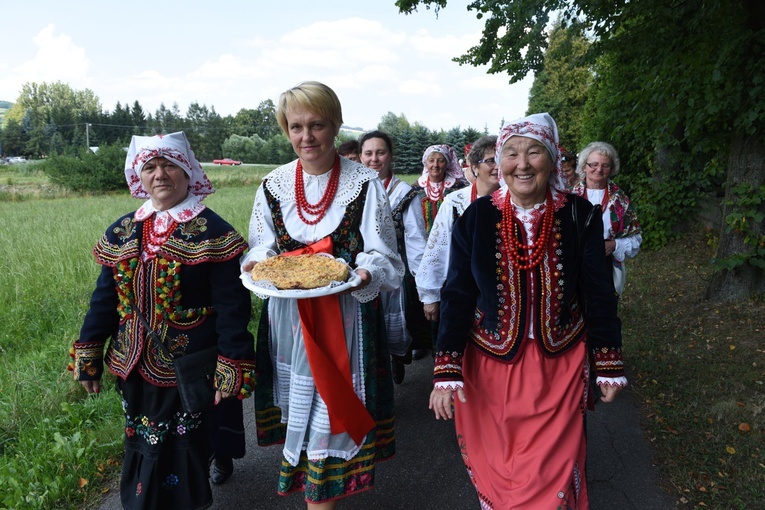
[[513, 317], [331, 387]]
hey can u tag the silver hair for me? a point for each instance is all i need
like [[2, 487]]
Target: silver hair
[[603, 148]]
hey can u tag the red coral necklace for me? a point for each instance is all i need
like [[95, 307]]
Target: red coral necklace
[[435, 191], [320, 208], [386, 182], [473, 193], [511, 235], [151, 240]]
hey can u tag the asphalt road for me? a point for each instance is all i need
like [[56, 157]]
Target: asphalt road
[[427, 472]]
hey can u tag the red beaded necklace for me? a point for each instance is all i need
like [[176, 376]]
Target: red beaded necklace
[[604, 202], [473, 193], [320, 208], [151, 239], [510, 236], [386, 182], [438, 194]]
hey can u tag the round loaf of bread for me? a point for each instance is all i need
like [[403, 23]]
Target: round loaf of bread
[[300, 271]]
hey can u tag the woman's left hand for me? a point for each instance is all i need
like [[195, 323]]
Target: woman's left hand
[[366, 279], [609, 392], [610, 246], [441, 402], [220, 395]]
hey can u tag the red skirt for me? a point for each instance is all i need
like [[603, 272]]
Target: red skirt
[[521, 431]]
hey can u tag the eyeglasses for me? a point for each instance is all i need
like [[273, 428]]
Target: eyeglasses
[[488, 161], [606, 166]]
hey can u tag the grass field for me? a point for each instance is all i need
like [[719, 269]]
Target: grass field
[[697, 366], [57, 445]]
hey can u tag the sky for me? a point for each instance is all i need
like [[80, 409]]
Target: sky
[[234, 54]]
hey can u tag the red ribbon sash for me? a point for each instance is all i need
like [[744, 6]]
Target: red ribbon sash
[[324, 339]]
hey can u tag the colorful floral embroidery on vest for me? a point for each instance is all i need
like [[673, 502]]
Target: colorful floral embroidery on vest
[[126, 230], [192, 228], [156, 432]]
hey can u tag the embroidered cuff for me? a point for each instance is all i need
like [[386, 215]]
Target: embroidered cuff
[[371, 291], [235, 376], [449, 385], [448, 367], [609, 362], [611, 381], [87, 361]]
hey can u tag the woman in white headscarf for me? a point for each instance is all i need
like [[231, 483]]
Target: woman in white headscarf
[[484, 171], [441, 175], [171, 268], [514, 336]]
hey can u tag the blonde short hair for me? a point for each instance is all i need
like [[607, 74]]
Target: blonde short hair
[[314, 97]]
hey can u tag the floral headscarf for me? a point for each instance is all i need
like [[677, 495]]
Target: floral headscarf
[[174, 147], [540, 127], [453, 169]]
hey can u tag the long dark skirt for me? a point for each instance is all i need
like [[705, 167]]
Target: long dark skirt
[[167, 451]]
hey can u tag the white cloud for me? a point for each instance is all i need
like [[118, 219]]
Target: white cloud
[[377, 61], [57, 58]]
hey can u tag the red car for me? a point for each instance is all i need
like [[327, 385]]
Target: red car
[[226, 161]]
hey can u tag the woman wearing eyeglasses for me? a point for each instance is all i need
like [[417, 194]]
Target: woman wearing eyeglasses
[[597, 164], [435, 261]]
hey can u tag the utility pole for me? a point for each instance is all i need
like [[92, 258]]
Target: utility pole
[[87, 135]]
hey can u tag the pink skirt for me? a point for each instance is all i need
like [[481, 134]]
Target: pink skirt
[[521, 431]]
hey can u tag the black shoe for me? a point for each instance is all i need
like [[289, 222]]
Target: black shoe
[[419, 353], [222, 469], [398, 371]]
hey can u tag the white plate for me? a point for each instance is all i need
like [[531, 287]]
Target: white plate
[[265, 289]]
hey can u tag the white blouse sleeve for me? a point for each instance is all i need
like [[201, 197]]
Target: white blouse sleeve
[[435, 260], [415, 237], [627, 247], [379, 257], [262, 234]]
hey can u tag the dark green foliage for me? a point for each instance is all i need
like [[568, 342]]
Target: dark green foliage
[[561, 87], [87, 172]]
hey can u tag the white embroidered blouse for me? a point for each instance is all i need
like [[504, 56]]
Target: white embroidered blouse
[[379, 257]]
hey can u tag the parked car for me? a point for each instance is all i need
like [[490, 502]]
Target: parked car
[[226, 161], [16, 159]]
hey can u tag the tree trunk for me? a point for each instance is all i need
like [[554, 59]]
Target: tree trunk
[[746, 165]]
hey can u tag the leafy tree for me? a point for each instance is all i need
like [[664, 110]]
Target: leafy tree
[[393, 124], [684, 81], [12, 138], [560, 88]]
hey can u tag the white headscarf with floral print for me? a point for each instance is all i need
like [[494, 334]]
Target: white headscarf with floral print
[[540, 127], [174, 147], [453, 169]]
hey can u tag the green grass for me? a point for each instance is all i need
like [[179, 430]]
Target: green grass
[[59, 446], [700, 377]]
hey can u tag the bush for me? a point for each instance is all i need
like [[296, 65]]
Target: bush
[[87, 172]]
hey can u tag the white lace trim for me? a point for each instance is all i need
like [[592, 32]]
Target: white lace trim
[[448, 385], [611, 381], [369, 292], [281, 181]]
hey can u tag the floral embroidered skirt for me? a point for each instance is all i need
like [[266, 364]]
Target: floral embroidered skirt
[[167, 451], [521, 431], [332, 477]]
